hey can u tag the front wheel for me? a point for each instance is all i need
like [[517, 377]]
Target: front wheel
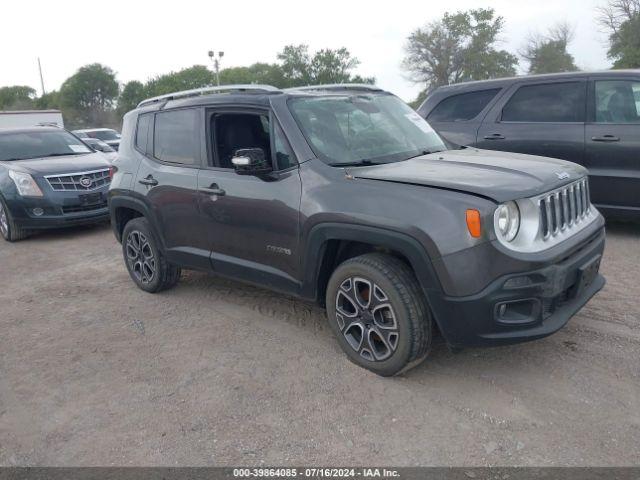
[[146, 265], [9, 229], [379, 314]]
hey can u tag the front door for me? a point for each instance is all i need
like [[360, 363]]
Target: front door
[[252, 222], [545, 119], [613, 143]]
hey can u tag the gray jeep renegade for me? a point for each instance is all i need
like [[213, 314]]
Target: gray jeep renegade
[[343, 195]]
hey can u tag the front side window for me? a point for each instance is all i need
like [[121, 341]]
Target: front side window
[[617, 101], [177, 136], [462, 107], [551, 103], [376, 128], [24, 145]]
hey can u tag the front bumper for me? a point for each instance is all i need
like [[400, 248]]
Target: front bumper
[[537, 302], [60, 209]]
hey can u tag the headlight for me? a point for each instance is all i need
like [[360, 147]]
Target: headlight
[[26, 185], [507, 221]]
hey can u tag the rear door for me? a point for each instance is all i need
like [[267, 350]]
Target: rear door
[[457, 117], [613, 142], [168, 179], [542, 118]]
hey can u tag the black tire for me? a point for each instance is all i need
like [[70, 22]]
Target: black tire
[[9, 229], [367, 334], [147, 267]]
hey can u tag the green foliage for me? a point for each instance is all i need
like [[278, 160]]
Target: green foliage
[[457, 48], [625, 44], [263, 73], [197, 76], [48, 101], [16, 97], [549, 54], [132, 93], [325, 66]]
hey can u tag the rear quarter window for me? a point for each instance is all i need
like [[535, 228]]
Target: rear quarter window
[[462, 107]]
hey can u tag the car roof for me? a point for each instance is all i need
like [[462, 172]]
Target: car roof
[[500, 82], [258, 95], [94, 130], [34, 129]]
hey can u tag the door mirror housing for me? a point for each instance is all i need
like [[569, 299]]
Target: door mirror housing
[[251, 161]]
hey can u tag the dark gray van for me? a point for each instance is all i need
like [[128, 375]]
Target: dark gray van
[[588, 118]]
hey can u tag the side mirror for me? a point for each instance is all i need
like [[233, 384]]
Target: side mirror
[[251, 161]]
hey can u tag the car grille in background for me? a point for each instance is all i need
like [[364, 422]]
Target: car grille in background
[[82, 181], [564, 208], [84, 208]]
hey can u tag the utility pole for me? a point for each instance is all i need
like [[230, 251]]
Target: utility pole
[[216, 63], [41, 79]]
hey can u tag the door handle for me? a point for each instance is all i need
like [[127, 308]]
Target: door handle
[[213, 189], [606, 138], [149, 181], [494, 136]]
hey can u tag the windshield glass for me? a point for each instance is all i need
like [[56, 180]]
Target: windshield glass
[[355, 129], [105, 135], [23, 145]]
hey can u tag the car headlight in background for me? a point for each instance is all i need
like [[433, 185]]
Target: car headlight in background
[[26, 185], [507, 221]]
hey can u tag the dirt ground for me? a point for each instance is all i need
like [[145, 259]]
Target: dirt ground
[[94, 371]]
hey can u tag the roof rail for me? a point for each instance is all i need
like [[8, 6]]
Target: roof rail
[[202, 91], [338, 86]]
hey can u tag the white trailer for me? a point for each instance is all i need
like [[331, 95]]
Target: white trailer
[[30, 118]]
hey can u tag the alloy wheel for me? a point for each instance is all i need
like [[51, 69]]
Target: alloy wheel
[[140, 257], [366, 319], [4, 222]]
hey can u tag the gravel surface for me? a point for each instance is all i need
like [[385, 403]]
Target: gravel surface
[[94, 371]]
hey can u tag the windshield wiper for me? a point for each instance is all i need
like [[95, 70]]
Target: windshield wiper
[[356, 163], [64, 154], [423, 152]]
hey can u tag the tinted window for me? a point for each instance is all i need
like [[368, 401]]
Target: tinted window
[[176, 137], [617, 101], [462, 107], [284, 156], [142, 132], [553, 102], [23, 145], [105, 135]]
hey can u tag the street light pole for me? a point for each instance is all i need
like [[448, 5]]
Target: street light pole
[[41, 79], [216, 63]]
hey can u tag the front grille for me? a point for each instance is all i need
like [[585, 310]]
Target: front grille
[[82, 181], [563, 209], [84, 208]]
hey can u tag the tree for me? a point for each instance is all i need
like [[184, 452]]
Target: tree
[[197, 76], [458, 48], [16, 97], [622, 20], [48, 101], [325, 66], [88, 95], [132, 93], [263, 73], [549, 54]]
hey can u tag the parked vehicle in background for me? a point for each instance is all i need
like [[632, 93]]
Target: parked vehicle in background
[[588, 118], [49, 179], [344, 195], [30, 118], [107, 135], [100, 146]]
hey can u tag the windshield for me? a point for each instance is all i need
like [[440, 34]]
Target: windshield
[[23, 145], [105, 135], [363, 129]]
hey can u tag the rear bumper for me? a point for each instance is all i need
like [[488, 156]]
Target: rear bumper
[[536, 303]]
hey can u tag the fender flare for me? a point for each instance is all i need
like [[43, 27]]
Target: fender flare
[[132, 203], [408, 246]]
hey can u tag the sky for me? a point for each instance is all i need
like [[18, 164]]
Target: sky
[[140, 39]]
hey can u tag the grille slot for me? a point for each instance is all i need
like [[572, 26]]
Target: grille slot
[[83, 208], [564, 208], [81, 181]]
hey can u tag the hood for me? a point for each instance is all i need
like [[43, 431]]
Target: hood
[[59, 165], [500, 176]]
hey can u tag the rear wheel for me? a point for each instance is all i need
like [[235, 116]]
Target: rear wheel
[[9, 229], [147, 266], [378, 313]]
